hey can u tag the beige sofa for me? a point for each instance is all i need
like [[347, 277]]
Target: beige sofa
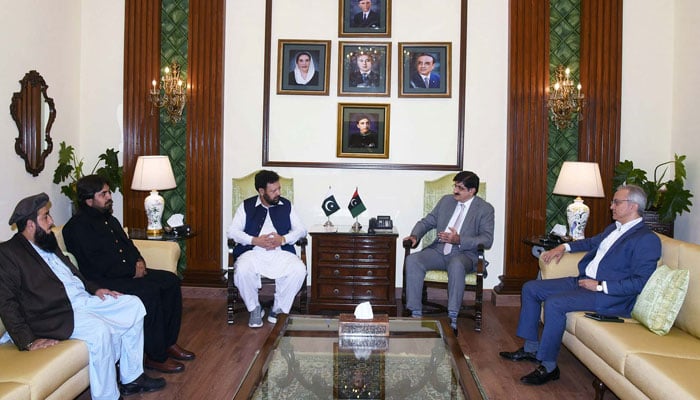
[[61, 371], [629, 359]]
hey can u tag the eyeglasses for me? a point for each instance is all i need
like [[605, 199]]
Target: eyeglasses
[[459, 187], [617, 202]]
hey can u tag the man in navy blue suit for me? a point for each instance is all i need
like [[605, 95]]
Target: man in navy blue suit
[[366, 18], [613, 272], [423, 77]]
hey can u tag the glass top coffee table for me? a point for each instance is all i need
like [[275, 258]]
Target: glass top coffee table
[[304, 358]]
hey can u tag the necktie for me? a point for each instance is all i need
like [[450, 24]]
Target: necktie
[[364, 78], [427, 82], [364, 17], [457, 225]]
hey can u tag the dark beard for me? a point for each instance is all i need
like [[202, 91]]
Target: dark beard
[[270, 201], [45, 240], [107, 209]]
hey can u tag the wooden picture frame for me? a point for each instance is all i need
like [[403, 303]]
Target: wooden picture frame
[[363, 130], [354, 20], [425, 69], [363, 68], [294, 58]]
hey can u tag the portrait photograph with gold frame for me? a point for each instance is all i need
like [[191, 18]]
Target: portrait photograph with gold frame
[[424, 69], [363, 130], [303, 67], [364, 18], [363, 68]]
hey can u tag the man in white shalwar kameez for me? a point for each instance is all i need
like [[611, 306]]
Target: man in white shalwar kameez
[[266, 227], [44, 299]]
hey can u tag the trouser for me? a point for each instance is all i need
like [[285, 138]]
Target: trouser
[[457, 264], [113, 331], [161, 295], [288, 271]]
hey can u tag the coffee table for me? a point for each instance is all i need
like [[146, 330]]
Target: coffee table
[[304, 358]]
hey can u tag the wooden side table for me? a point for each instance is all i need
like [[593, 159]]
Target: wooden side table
[[348, 268]]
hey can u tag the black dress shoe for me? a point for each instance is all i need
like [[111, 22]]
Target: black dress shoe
[[179, 353], [168, 366], [143, 383], [519, 355], [540, 376]]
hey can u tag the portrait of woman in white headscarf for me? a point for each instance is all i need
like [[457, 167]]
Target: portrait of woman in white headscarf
[[304, 72]]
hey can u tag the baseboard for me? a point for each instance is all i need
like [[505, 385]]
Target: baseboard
[[196, 292], [504, 300]]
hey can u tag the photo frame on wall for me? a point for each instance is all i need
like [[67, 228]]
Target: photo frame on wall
[[364, 18], [363, 130], [363, 68], [303, 67], [425, 69]]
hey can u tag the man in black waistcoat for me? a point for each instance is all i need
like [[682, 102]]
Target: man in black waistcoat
[[107, 256]]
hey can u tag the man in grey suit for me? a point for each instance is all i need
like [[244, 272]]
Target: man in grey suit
[[463, 222]]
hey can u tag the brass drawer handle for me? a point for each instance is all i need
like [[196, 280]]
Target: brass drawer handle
[[369, 292], [336, 272], [336, 256], [336, 291], [370, 256], [370, 273]]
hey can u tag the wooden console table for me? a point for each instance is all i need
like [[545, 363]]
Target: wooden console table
[[348, 268]]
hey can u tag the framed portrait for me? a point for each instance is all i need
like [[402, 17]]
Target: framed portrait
[[358, 378], [303, 67], [360, 18], [363, 69], [363, 130], [424, 70]]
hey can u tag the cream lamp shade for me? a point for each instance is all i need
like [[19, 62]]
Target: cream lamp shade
[[153, 173], [580, 179]]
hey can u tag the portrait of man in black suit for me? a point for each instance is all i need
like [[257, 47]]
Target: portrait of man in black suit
[[367, 17], [425, 69], [363, 130], [364, 18]]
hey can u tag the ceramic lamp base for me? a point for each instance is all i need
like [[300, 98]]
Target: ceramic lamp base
[[577, 216], [154, 205]]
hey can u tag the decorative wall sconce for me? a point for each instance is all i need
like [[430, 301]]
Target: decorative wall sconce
[[565, 101], [174, 94]]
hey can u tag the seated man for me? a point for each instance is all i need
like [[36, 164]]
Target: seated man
[[266, 227], [107, 256], [44, 299], [613, 272], [463, 222]]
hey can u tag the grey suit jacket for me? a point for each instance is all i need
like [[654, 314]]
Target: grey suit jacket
[[477, 227]]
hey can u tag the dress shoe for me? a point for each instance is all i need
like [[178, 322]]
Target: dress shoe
[[168, 366], [519, 355], [143, 383], [540, 376], [179, 353]]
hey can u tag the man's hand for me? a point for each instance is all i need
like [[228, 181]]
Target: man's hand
[[140, 269], [412, 239], [451, 236], [590, 284], [102, 293], [42, 344], [554, 254], [269, 241]]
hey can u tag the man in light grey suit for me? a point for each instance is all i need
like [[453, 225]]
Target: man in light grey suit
[[463, 222]]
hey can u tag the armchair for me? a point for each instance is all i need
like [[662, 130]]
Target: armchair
[[433, 191], [243, 188]]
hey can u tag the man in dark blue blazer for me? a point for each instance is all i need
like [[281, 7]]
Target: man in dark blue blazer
[[423, 77], [613, 272], [366, 18]]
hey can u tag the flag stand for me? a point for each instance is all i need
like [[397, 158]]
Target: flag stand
[[328, 224], [356, 227]]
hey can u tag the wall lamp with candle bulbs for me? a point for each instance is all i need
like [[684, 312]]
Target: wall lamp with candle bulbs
[[565, 100], [174, 93]]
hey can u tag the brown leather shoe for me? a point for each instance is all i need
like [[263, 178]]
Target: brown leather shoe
[[179, 353], [168, 366]]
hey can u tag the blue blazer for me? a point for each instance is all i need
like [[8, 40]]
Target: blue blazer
[[625, 268], [417, 81]]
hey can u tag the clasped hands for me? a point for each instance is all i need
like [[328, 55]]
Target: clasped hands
[[449, 236], [268, 241]]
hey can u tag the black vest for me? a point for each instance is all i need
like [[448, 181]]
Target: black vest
[[255, 218]]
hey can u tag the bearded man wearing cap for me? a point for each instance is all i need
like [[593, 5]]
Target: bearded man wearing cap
[[107, 256], [45, 299]]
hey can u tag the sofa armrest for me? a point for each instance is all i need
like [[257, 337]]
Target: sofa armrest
[[568, 266], [159, 254]]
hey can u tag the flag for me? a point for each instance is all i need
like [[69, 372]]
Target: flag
[[356, 206], [329, 204]]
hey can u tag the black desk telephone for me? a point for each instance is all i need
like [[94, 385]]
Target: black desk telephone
[[381, 223]]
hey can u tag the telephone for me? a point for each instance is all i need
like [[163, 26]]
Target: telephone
[[381, 223]]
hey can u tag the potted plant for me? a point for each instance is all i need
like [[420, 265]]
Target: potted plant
[[70, 170], [666, 197]]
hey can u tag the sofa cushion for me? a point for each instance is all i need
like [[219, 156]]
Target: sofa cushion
[[14, 391], [613, 342], [689, 317], [661, 299], [43, 370], [661, 377]]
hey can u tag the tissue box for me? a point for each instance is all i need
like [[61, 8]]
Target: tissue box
[[351, 326]]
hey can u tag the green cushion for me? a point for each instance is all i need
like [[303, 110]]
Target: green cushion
[[439, 276], [661, 299]]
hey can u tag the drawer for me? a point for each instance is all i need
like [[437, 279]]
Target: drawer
[[372, 244], [371, 292], [334, 290], [341, 272], [338, 255]]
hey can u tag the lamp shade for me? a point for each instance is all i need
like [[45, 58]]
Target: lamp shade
[[578, 178], [153, 173]]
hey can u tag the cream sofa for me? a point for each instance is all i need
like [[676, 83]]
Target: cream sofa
[[61, 371], [629, 359]]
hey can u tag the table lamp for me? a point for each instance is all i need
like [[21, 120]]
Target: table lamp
[[153, 173], [578, 179]]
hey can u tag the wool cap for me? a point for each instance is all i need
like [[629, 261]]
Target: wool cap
[[27, 206]]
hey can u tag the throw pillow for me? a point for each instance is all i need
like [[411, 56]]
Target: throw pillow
[[661, 299]]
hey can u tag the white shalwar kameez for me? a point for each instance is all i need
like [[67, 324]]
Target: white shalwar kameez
[[285, 268]]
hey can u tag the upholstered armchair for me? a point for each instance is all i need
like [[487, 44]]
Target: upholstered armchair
[[243, 188], [432, 193]]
